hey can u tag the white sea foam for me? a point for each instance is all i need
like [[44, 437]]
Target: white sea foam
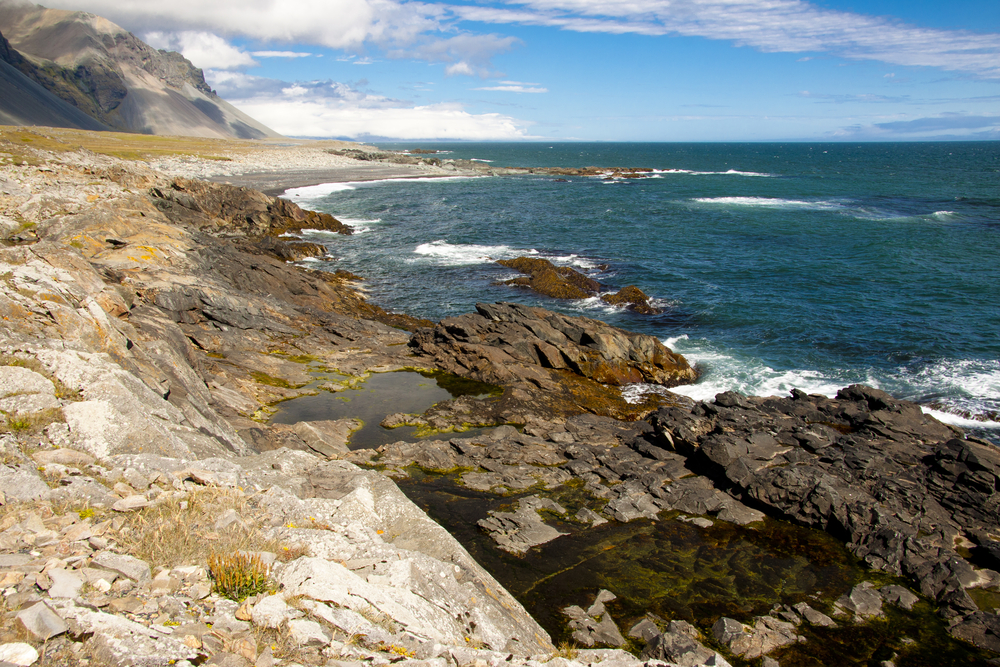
[[462, 254], [360, 226], [312, 192], [965, 393], [772, 202], [572, 260], [320, 232], [476, 159], [729, 172], [725, 372]]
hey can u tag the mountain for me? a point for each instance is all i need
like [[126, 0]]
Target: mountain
[[100, 69], [26, 102]]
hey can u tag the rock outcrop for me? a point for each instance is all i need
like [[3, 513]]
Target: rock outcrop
[[534, 349], [565, 282]]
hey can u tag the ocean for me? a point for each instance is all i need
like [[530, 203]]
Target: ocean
[[812, 266]]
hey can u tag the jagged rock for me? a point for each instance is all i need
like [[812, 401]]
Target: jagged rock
[[22, 483], [41, 622], [680, 649], [65, 583], [307, 633], [328, 438], [765, 635], [522, 529], [590, 631], [644, 629], [128, 566], [632, 298], [813, 616], [597, 609], [898, 596], [272, 612], [18, 653], [864, 601], [559, 282]]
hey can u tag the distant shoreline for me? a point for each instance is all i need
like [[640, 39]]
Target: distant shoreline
[[275, 183]]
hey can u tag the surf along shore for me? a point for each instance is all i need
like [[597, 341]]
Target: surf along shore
[[153, 318]]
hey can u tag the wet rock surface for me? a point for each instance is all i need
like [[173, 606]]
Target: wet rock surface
[[550, 363]]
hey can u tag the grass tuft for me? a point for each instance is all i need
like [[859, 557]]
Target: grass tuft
[[238, 576]]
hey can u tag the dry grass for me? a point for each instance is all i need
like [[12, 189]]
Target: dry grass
[[31, 423], [115, 144], [178, 532]]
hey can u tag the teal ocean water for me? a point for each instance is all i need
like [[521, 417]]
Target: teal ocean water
[[778, 265]]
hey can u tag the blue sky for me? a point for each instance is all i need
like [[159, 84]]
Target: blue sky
[[592, 70]]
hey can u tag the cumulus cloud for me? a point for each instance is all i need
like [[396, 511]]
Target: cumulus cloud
[[327, 117], [332, 23], [204, 49]]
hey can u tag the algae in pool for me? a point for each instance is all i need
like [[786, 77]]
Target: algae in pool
[[380, 395], [679, 571]]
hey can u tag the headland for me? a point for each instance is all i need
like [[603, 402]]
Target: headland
[[153, 514]]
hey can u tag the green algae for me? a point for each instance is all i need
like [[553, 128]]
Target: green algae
[[679, 571]]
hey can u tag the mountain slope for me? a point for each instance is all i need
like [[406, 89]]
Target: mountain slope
[[108, 73], [26, 102]]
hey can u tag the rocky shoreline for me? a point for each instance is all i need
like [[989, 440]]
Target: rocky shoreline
[[149, 321]]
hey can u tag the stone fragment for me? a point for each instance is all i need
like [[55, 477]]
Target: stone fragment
[[899, 596], [130, 504], [41, 622], [18, 653], [814, 617], [128, 566], [307, 633], [864, 601], [597, 609], [70, 458], [22, 483], [65, 583], [644, 630], [272, 611], [678, 649]]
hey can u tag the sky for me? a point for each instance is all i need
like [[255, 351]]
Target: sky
[[591, 70]]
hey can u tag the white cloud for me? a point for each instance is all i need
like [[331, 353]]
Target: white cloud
[[281, 54], [460, 67], [515, 89], [413, 29], [767, 25], [947, 125], [338, 118], [332, 23], [203, 49]]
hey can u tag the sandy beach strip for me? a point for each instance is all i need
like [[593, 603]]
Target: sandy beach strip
[[275, 169]]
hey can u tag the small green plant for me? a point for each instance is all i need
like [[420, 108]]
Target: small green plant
[[238, 576], [86, 513]]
